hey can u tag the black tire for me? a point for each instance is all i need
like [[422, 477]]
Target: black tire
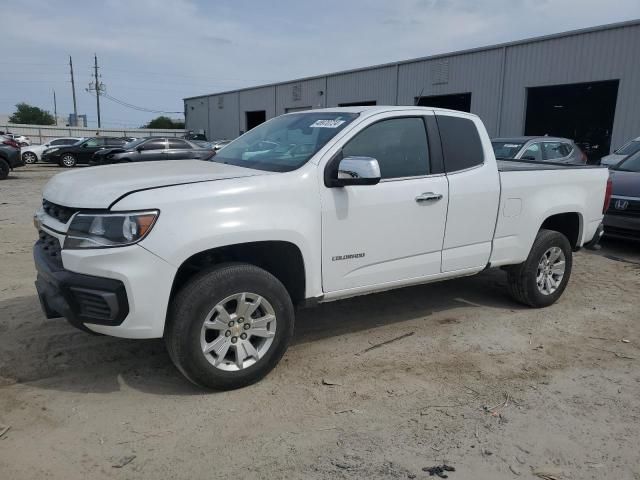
[[521, 279], [198, 297], [4, 169], [68, 160], [29, 158]]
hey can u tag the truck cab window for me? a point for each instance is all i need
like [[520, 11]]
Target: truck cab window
[[399, 145], [461, 145]]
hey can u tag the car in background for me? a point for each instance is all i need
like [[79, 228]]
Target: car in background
[[194, 136], [9, 156], [152, 149], [622, 218], [81, 152], [33, 153], [539, 149], [621, 153], [21, 139]]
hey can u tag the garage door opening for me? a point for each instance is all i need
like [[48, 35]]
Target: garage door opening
[[456, 101], [366, 103], [581, 111], [255, 118]]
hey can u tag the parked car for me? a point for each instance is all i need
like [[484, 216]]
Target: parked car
[[622, 219], [21, 139], [194, 136], [152, 149], [9, 157], [621, 153], [33, 153], [539, 149], [307, 207], [81, 152]]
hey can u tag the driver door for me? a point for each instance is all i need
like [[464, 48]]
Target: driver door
[[392, 231]]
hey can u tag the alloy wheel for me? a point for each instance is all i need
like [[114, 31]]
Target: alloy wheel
[[551, 269], [238, 331]]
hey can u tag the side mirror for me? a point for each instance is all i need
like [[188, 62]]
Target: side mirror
[[139, 148], [357, 171]]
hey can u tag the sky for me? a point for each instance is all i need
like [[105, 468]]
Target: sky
[[153, 53]]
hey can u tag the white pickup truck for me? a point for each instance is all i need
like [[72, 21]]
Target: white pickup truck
[[307, 207]]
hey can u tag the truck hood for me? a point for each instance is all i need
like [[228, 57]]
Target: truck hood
[[99, 187], [625, 184]]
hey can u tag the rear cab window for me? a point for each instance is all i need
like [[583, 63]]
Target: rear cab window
[[461, 144]]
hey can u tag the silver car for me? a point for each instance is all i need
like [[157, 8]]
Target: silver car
[[539, 149], [621, 153]]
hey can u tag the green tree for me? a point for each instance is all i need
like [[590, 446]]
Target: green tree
[[31, 115], [164, 123]]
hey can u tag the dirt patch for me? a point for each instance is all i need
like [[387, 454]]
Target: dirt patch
[[482, 384]]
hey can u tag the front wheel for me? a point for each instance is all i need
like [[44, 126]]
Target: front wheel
[[541, 279], [68, 160], [4, 169], [229, 326]]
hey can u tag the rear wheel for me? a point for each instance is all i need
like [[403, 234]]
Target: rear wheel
[[229, 326], [4, 169], [29, 157], [68, 160], [541, 279]]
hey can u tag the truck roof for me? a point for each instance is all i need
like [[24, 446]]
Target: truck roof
[[372, 109]]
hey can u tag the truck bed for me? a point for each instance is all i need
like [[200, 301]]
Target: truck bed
[[519, 165]]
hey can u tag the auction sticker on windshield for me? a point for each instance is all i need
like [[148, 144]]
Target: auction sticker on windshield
[[326, 123]]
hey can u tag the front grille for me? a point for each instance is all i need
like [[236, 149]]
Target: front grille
[[59, 212], [51, 247], [92, 305]]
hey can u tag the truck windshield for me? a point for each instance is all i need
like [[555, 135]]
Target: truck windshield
[[506, 150], [284, 143]]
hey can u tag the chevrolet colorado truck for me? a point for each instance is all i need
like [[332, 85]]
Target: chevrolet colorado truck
[[308, 207]]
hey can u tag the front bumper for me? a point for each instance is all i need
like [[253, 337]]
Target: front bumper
[[79, 298], [122, 292]]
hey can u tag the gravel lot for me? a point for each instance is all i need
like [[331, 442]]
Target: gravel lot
[[477, 382]]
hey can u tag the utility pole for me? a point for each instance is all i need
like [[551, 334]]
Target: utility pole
[[55, 107], [95, 70], [97, 86], [73, 91]]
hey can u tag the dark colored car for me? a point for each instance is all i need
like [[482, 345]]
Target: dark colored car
[[81, 152], [539, 149], [9, 157], [622, 219], [152, 149]]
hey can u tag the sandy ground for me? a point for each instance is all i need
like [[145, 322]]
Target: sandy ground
[[560, 387]]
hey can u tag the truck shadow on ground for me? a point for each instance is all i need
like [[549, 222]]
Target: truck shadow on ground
[[50, 354]]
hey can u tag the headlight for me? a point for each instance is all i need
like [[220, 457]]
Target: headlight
[[109, 229]]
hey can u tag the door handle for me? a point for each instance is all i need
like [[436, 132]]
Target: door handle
[[428, 197]]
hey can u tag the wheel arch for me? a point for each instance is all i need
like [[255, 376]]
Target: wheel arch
[[283, 259], [570, 224]]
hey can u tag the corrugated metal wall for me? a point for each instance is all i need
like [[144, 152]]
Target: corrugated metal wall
[[378, 84], [478, 73], [603, 55], [497, 78]]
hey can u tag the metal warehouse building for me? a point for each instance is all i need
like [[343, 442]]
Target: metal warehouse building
[[583, 84]]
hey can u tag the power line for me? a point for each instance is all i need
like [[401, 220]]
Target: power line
[[131, 106]]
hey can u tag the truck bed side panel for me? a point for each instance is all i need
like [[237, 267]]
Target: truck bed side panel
[[529, 197]]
